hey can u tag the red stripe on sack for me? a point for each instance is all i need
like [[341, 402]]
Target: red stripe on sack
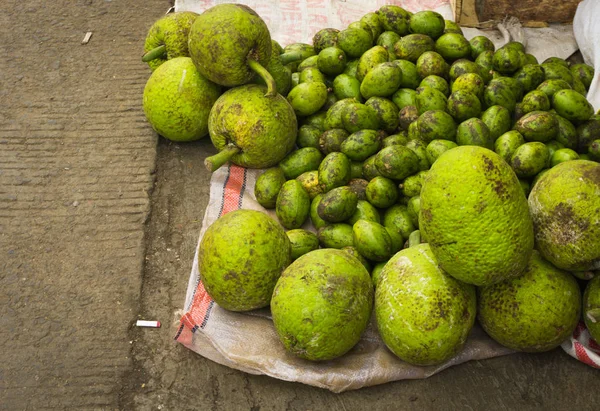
[[594, 346], [583, 356], [197, 313], [578, 330], [233, 189]]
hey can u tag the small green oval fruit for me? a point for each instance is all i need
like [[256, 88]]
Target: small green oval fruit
[[364, 211], [334, 171], [453, 46], [267, 187], [338, 204], [293, 205], [572, 105], [435, 125], [307, 98], [338, 235], [302, 242], [427, 22], [396, 162], [506, 145], [529, 159], [310, 183], [381, 192], [332, 61], [411, 47], [300, 161], [372, 240], [537, 126], [474, 132]]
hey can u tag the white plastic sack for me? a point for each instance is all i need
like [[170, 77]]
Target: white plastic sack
[[587, 33]]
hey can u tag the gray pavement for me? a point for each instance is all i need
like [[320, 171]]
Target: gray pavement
[[98, 226]]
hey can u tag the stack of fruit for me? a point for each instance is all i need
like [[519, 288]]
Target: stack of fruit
[[446, 180]]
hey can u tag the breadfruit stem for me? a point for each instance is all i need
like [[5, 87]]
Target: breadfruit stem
[[213, 163], [414, 238], [154, 53], [265, 75], [290, 57], [593, 315]]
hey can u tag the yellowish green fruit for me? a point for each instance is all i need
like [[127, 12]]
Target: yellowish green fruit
[[475, 216], [322, 304], [423, 315], [240, 258], [564, 205], [591, 307]]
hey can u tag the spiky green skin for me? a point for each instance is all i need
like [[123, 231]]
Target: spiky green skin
[[240, 258], [321, 304], [591, 301], [178, 99], [475, 216], [423, 315], [565, 207], [172, 31], [264, 128], [223, 38], [534, 312]]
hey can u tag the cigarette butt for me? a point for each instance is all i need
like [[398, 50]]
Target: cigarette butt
[[151, 324], [86, 38]]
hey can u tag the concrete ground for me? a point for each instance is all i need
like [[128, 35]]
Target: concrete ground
[[98, 224]]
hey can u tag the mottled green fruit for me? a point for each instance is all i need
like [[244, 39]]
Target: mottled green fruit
[[497, 119], [535, 100], [338, 204], [553, 145], [552, 86], [356, 170], [534, 312], [338, 235], [579, 87], [394, 18], [387, 113], [293, 205], [463, 105], [310, 75], [395, 139], [333, 118], [308, 136], [382, 80], [475, 217], [469, 82], [557, 71], [371, 58], [413, 132], [436, 148], [594, 150], [572, 105], [241, 256], [372, 240], [412, 46], [387, 40], [300, 161], [501, 94], [317, 221], [430, 99], [307, 98], [302, 242], [178, 99], [435, 125], [268, 185], [452, 27], [430, 63], [587, 132], [332, 61], [346, 86], [316, 120], [404, 97], [507, 60], [591, 307], [373, 22], [479, 44], [563, 154], [324, 38], [411, 186], [463, 66], [485, 60], [258, 131], [361, 145], [427, 22], [453, 46], [396, 162], [474, 132], [354, 42], [567, 133], [310, 183], [354, 253], [424, 316], [506, 145], [295, 79], [381, 192], [537, 126], [584, 72], [331, 140], [322, 304], [170, 31], [357, 116], [364, 211], [397, 219], [370, 170], [413, 208], [309, 62], [351, 67], [437, 83], [418, 147], [410, 75], [334, 171], [564, 205], [530, 76], [224, 38], [513, 85], [529, 159], [408, 116]]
